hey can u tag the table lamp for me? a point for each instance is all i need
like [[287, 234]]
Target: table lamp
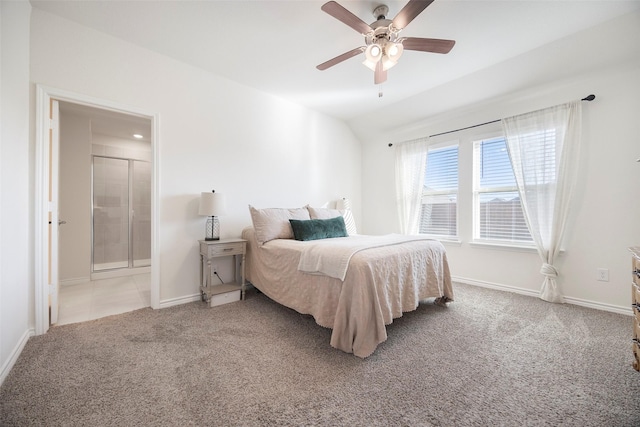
[[212, 205]]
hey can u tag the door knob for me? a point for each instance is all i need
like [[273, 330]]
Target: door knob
[[61, 222]]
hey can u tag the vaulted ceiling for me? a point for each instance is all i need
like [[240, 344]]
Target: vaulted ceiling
[[274, 46]]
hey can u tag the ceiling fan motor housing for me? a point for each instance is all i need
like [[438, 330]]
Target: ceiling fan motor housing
[[380, 12], [382, 32]]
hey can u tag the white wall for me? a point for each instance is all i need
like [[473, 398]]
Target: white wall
[[214, 134], [604, 220], [16, 281]]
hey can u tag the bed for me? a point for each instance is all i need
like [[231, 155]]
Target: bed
[[366, 283]]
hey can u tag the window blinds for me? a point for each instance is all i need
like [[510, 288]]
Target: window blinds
[[498, 212], [439, 214]]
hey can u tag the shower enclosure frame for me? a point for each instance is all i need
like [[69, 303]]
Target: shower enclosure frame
[[130, 268]]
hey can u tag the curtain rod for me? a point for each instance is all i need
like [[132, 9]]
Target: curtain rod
[[586, 98]]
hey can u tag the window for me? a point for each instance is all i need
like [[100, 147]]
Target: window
[[497, 212], [439, 214]]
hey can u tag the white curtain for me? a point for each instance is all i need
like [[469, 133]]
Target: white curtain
[[411, 164], [544, 147]]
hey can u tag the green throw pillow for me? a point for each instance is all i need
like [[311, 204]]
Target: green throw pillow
[[314, 229]]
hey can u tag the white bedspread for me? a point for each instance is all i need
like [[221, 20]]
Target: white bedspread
[[380, 284], [331, 256]]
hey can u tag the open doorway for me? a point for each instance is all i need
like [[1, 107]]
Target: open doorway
[[103, 130], [104, 206]]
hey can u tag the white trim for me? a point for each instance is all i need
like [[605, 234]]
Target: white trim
[[599, 305], [570, 300], [155, 213], [503, 246], [496, 286], [180, 300], [41, 308], [15, 353], [43, 95]]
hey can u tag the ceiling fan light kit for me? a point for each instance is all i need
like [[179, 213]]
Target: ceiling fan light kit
[[393, 52], [383, 46], [372, 55]]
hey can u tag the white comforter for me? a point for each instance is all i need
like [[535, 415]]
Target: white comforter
[[379, 285], [331, 256]]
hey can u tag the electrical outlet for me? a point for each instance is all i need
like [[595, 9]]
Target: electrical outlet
[[603, 274]]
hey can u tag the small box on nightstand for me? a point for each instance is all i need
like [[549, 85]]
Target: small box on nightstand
[[224, 298], [221, 294]]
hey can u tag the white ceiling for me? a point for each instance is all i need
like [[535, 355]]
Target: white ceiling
[[107, 122], [274, 46]]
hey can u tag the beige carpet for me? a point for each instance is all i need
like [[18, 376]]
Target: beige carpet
[[490, 359]]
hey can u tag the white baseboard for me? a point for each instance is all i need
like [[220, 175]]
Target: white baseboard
[[569, 300], [190, 298], [13, 356], [600, 306], [180, 300]]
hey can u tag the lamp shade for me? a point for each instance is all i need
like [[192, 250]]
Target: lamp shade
[[212, 204], [392, 52], [372, 55]]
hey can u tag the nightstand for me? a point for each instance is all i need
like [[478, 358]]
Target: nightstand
[[227, 292]]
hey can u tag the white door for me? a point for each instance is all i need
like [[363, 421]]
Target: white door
[[54, 161]]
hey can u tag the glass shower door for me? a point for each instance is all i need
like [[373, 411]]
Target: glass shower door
[[141, 214], [110, 213]]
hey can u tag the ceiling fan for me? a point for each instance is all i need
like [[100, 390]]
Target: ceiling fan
[[383, 45]]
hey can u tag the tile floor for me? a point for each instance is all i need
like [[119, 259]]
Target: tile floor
[[105, 297]]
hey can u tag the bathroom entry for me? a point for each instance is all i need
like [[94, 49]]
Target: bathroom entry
[[105, 185]]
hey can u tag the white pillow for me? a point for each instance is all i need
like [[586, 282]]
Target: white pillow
[[324, 213], [273, 223]]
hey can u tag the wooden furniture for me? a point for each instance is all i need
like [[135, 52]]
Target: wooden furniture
[[216, 294], [635, 303]]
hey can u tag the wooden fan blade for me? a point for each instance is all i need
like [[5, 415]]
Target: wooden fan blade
[[380, 75], [409, 12], [338, 59], [342, 14], [427, 45]]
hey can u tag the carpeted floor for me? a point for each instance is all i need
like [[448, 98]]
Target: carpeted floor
[[489, 359]]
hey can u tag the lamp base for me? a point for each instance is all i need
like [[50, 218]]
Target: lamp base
[[212, 229]]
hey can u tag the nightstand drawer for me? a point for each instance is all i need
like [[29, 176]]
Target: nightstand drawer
[[635, 294], [222, 249], [636, 354]]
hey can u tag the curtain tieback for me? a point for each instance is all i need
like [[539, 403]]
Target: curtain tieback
[[549, 270]]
